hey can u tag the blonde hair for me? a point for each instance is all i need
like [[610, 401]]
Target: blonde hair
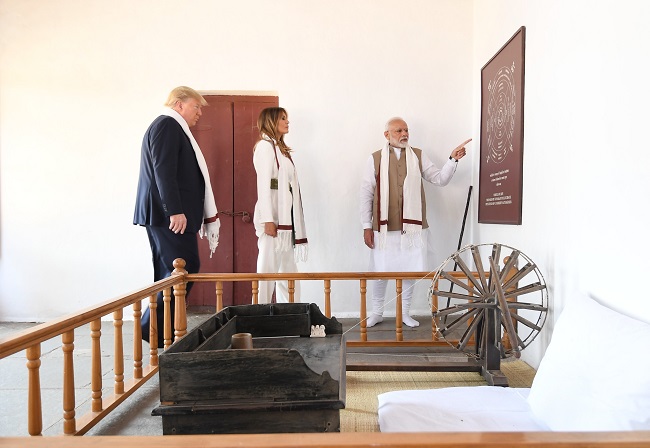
[[267, 123], [182, 94]]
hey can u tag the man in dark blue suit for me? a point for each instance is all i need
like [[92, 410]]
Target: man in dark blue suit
[[174, 200]]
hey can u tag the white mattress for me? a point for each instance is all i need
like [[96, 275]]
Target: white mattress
[[482, 408]]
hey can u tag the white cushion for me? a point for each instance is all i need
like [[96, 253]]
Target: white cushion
[[595, 374], [482, 408]]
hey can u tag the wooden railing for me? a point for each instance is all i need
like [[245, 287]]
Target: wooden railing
[[30, 341]]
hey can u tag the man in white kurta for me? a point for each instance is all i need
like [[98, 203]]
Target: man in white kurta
[[393, 211]]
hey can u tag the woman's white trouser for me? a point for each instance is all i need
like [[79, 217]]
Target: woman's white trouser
[[270, 261]]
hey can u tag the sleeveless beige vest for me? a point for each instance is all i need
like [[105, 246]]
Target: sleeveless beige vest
[[396, 176]]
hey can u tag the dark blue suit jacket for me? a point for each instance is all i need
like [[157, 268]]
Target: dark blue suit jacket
[[170, 178]]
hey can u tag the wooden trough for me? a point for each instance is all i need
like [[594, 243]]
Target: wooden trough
[[288, 381]]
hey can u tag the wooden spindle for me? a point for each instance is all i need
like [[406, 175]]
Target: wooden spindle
[[219, 291], [398, 310], [363, 332], [153, 330], [255, 286], [292, 290], [118, 352], [34, 408], [137, 340], [180, 291], [328, 291], [69, 421], [96, 365], [167, 319]]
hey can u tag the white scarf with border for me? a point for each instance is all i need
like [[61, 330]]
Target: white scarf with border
[[289, 202], [211, 224], [411, 199]]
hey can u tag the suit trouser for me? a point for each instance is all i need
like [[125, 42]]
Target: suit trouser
[[166, 246], [270, 261]]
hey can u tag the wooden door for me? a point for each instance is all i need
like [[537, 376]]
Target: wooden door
[[226, 133]]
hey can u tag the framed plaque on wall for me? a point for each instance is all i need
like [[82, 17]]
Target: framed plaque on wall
[[502, 134]]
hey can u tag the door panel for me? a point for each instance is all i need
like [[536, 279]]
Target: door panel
[[227, 133]]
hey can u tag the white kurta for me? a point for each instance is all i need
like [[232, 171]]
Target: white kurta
[[266, 210], [394, 257]]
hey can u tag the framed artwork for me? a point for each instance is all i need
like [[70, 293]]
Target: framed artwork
[[502, 134]]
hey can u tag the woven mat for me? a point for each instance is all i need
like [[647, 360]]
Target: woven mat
[[362, 388]]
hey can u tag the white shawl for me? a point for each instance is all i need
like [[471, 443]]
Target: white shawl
[[291, 220], [411, 199], [211, 224]]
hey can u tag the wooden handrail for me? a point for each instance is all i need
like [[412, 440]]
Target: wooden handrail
[[45, 331], [627, 439]]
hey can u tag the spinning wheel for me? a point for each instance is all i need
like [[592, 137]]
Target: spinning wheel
[[499, 309]]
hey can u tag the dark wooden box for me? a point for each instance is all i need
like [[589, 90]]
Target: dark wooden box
[[288, 382]]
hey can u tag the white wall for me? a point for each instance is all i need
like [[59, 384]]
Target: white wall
[[81, 80], [585, 152]]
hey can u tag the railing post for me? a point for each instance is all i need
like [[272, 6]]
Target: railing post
[[328, 305], [398, 310], [255, 286], [118, 352], [69, 422], [180, 290], [96, 366], [153, 330], [219, 291], [137, 340], [363, 332], [167, 318], [292, 289], [34, 409]]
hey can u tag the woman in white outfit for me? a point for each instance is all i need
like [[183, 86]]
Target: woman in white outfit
[[278, 218]]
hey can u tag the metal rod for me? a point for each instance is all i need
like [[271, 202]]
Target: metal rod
[[462, 231]]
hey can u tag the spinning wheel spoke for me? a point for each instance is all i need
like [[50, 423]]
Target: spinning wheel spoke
[[468, 273], [512, 260], [519, 275], [454, 295], [455, 309], [524, 290], [467, 335], [480, 272], [520, 343], [526, 306], [503, 305], [457, 282], [525, 321], [496, 251], [462, 319]]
